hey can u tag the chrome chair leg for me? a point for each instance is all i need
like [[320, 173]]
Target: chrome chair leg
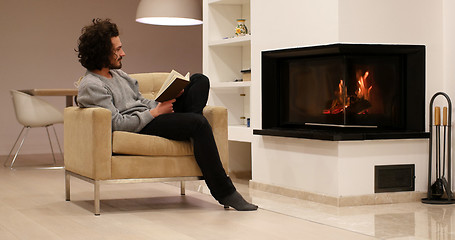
[[67, 186], [23, 140], [182, 187], [20, 146], [50, 143], [97, 197], [9, 154], [58, 142]]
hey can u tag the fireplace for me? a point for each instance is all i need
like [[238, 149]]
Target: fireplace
[[344, 92]]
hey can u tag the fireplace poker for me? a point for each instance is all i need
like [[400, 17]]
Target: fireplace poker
[[444, 126], [437, 187], [437, 123], [443, 178]]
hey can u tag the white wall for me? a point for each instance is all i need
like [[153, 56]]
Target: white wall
[[37, 45], [449, 47], [401, 22], [291, 162]]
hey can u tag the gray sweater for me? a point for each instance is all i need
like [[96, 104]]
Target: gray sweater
[[120, 94]]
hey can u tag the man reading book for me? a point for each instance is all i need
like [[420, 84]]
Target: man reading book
[[105, 85]]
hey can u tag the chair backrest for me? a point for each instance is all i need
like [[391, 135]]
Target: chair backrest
[[34, 112], [150, 83]]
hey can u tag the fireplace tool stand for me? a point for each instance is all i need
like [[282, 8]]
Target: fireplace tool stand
[[440, 191]]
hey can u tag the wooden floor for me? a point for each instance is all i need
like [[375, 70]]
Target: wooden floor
[[33, 206]]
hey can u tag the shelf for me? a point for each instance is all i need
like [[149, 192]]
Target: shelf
[[233, 42], [230, 84], [229, 2], [240, 133], [224, 56]]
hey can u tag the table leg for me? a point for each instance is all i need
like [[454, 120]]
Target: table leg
[[69, 101]]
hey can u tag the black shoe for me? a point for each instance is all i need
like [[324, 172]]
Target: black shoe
[[236, 201]]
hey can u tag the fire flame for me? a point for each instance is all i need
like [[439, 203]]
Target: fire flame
[[362, 91], [361, 99]]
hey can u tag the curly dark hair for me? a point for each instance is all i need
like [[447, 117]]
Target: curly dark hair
[[95, 46]]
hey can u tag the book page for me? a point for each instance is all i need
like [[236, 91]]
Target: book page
[[173, 76], [168, 81]]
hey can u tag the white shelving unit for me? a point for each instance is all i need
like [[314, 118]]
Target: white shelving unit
[[219, 85], [243, 41], [224, 57]]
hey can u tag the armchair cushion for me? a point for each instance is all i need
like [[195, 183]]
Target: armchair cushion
[[128, 143], [125, 167]]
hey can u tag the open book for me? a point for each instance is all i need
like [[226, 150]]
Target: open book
[[173, 85]]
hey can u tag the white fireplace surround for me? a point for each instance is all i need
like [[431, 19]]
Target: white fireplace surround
[[332, 169], [335, 169]]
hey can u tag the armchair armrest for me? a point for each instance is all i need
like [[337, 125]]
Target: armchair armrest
[[88, 142], [217, 116]]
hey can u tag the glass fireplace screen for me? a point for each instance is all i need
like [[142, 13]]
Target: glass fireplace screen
[[354, 91]]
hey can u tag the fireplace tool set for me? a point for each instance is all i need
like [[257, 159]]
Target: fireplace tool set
[[440, 191]]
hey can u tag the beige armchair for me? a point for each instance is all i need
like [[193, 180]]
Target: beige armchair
[[92, 152]]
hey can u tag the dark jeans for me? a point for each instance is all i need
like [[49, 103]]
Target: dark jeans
[[187, 122]]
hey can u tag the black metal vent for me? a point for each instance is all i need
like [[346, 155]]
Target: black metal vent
[[394, 178]]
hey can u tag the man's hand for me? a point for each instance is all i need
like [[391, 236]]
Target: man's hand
[[163, 108]]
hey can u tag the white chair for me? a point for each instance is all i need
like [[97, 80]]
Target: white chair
[[33, 112]]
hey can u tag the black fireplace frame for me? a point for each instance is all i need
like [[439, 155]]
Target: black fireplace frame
[[414, 82]]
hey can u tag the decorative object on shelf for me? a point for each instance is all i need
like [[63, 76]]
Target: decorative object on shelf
[[170, 12], [241, 29], [246, 75], [440, 191]]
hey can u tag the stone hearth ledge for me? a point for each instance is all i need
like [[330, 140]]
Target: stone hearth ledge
[[348, 201]]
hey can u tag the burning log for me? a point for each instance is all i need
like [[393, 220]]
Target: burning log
[[355, 104]]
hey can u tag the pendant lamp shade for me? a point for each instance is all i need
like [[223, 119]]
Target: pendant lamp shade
[[170, 12]]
